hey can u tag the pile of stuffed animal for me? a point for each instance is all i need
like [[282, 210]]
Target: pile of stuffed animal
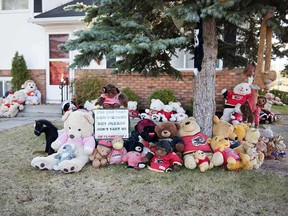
[[12, 103], [162, 147]]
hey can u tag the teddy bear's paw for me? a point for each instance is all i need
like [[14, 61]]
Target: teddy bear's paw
[[38, 163], [189, 162], [231, 160], [69, 167]]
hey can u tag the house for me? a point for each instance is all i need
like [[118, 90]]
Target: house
[[35, 28]]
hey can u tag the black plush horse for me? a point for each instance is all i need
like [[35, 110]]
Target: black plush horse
[[51, 133]]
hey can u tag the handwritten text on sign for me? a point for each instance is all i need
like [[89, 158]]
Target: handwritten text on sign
[[111, 122]]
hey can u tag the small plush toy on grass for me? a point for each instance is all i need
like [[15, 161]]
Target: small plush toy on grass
[[99, 156], [118, 151]]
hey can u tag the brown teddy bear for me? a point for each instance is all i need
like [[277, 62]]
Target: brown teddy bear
[[112, 98], [168, 131], [99, 156], [202, 161]]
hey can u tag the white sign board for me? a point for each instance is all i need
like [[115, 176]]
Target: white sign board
[[110, 123]]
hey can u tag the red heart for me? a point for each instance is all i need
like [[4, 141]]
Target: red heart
[[151, 134]]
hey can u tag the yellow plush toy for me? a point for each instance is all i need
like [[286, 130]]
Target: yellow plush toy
[[232, 160], [251, 139], [202, 161]]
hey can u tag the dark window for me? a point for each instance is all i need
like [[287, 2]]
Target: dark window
[[37, 6]]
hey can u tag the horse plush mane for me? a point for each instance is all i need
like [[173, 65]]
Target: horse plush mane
[[50, 131]]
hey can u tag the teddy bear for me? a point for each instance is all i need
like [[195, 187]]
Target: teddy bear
[[226, 130], [65, 152], [169, 131], [78, 130], [144, 132], [256, 158], [167, 112], [241, 92], [240, 131], [13, 105], [174, 105], [118, 151], [179, 115], [266, 78], [112, 98], [193, 140], [161, 158], [99, 156], [132, 108], [33, 95], [134, 156], [202, 161], [280, 146], [156, 107], [232, 160], [236, 116], [251, 139]]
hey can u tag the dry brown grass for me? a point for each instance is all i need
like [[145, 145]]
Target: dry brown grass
[[115, 190]]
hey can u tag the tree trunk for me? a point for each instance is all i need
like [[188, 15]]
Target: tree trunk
[[204, 87]]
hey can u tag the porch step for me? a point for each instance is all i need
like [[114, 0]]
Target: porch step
[[43, 110]]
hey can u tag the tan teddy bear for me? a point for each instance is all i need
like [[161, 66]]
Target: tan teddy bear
[[202, 161], [33, 95], [15, 105], [100, 154], [256, 158]]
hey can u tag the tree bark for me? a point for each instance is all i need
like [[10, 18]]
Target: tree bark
[[204, 105]]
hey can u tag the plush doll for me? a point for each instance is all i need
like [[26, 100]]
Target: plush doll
[[134, 156], [240, 131], [14, 105], [236, 116], [33, 95], [256, 158], [241, 92], [169, 131], [226, 130], [65, 152], [271, 151], [112, 98], [174, 105], [232, 160], [179, 115], [132, 108], [202, 161], [162, 159], [99, 156], [167, 112], [251, 139], [193, 140], [118, 151], [280, 146], [156, 107], [268, 77], [144, 132], [78, 130]]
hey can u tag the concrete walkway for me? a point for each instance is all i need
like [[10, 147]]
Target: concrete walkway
[[30, 114]]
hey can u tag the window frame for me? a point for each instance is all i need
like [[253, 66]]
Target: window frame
[[15, 10]]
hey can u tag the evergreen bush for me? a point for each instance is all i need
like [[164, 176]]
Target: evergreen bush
[[165, 95], [87, 87], [132, 96], [19, 72], [281, 94]]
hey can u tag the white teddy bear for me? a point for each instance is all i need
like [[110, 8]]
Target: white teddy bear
[[179, 115], [78, 127], [132, 108], [33, 95]]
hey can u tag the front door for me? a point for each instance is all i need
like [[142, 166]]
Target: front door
[[58, 77]]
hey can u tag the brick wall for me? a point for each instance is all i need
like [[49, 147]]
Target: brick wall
[[144, 87], [183, 89]]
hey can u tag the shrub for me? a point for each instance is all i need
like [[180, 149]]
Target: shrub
[[165, 95], [19, 72], [190, 108], [281, 94], [132, 96], [87, 87]]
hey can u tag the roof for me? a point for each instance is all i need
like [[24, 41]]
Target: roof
[[60, 12]]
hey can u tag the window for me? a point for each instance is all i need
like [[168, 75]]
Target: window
[[37, 6], [5, 85], [58, 60], [14, 4]]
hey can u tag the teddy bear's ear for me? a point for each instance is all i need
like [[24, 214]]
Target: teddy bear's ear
[[209, 140], [66, 115], [177, 125], [117, 90], [216, 119], [89, 117], [104, 90]]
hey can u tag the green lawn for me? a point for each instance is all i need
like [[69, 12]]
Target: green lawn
[[281, 109]]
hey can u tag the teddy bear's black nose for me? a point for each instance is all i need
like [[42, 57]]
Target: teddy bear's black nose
[[71, 136], [187, 123]]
